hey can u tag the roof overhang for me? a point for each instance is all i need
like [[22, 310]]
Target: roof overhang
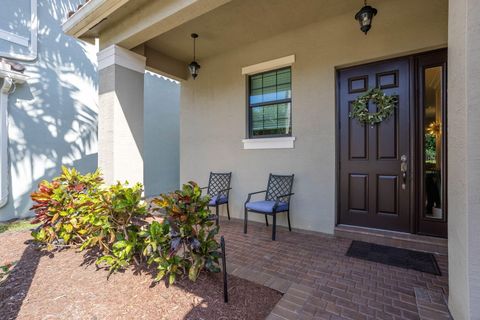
[[129, 23], [89, 15]]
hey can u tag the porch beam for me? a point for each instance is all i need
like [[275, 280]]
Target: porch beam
[[155, 18], [165, 65], [160, 63]]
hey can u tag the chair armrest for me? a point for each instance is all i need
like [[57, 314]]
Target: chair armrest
[[223, 190], [277, 201], [285, 195], [252, 193]]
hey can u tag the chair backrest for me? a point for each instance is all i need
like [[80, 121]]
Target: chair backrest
[[218, 182], [279, 185]]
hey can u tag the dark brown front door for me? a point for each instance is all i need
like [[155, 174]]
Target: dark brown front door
[[372, 191]]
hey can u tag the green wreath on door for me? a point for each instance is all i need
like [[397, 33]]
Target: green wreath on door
[[385, 107]]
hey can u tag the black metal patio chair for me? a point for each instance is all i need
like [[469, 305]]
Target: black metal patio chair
[[277, 199], [218, 189]]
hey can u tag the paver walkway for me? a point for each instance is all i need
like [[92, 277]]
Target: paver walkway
[[320, 282]]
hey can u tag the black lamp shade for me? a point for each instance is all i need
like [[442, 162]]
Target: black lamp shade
[[365, 17], [194, 67]]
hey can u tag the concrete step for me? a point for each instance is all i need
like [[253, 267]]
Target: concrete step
[[394, 239], [432, 305]]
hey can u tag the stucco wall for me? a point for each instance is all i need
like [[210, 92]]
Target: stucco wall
[[53, 117], [464, 156], [162, 135], [213, 107]]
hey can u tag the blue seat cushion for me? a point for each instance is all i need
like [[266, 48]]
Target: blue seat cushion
[[266, 206], [221, 200]]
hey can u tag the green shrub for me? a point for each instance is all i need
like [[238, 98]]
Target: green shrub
[[78, 210], [115, 230], [62, 205], [186, 237]]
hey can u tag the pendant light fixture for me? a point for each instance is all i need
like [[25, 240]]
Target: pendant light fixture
[[365, 17], [194, 66]]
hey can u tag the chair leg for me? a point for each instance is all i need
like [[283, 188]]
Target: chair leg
[[228, 211], [266, 220], [218, 216], [245, 221], [274, 226], [288, 218]]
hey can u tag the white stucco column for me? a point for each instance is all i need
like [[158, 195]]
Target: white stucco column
[[464, 158], [120, 127]]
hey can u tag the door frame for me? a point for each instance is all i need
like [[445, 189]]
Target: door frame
[[414, 175], [420, 197]]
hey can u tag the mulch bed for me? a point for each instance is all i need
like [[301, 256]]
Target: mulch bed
[[63, 285]]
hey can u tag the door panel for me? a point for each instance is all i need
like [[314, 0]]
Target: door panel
[[371, 187]]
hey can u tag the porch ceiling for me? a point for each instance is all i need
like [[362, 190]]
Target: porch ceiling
[[240, 22]]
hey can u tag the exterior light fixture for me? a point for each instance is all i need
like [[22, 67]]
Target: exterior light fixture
[[194, 66], [365, 17]]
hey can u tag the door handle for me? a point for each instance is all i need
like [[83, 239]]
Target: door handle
[[404, 169]]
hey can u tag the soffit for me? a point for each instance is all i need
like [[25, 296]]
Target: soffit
[[246, 21]]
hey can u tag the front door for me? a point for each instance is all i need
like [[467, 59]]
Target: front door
[[373, 192]]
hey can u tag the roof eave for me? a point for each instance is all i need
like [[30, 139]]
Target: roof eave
[[89, 15]]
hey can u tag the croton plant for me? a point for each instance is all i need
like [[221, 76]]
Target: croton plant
[[79, 210], [62, 205], [189, 231]]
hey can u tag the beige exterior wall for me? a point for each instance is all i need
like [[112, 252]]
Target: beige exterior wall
[[213, 107], [464, 159]]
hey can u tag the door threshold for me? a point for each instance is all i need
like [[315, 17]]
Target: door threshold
[[393, 238]]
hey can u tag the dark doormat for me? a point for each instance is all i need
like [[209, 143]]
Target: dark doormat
[[403, 258]]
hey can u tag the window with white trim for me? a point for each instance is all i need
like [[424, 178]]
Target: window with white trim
[[270, 104]]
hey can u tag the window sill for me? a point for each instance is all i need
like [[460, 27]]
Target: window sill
[[269, 143]]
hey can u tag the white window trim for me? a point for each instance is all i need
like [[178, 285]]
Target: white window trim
[[31, 43], [269, 65], [14, 38], [269, 143]]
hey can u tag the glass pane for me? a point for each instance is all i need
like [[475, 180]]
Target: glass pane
[[284, 76], [284, 91], [270, 112], [270, 79], [269, 94], [257, 114], [284, 110], [271, 119], [432, 146], [257, 125], [256, 82], [256, 96]]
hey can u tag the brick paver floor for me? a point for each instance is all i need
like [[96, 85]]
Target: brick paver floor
[[320, 282]]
